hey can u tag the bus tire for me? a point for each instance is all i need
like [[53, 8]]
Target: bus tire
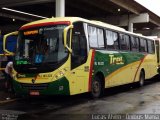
[[97, 89], [141, 79], [158, 70]]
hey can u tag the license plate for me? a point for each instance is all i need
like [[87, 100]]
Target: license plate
[[34, 93]]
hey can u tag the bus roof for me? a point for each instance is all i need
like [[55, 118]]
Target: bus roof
[[76, 19], [72, 20]]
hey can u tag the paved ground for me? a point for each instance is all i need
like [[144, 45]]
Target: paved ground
[[3, 94], [120, 103]]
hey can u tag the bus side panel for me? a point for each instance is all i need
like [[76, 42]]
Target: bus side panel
[[150, 66], [118, 67]]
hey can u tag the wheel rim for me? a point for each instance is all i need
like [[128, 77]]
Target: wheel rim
[[141, 79], [96, 87], [141, 82]]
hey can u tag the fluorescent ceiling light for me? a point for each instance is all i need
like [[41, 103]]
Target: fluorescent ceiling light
[[4, 8], [146, 28]]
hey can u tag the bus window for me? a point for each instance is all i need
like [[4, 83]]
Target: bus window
[[111, 40], [143, 45], [100, 38], [96, 37], [157, 50], [40, 47], [124, 42], [151, 46], [79, 46], [93, 36], [134, 44]]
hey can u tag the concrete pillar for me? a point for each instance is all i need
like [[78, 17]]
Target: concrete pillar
[[130, 27], [60, 8]]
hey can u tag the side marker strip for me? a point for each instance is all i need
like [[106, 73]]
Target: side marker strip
[[139, 67], [90, 72]]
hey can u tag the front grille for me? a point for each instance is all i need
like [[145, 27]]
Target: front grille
[[35, 86]]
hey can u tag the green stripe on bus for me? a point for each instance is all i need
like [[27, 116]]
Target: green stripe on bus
[[108, 62]]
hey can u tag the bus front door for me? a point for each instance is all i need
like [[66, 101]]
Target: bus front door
[[79, 65]]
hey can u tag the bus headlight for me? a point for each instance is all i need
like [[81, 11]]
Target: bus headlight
[[60, 74]]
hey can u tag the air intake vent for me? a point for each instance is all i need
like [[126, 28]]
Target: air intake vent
[[35, 86]]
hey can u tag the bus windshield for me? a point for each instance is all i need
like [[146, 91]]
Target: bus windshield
[[40, 47]]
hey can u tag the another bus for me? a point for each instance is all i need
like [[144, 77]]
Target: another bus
[[7, 49], [5, 57], [72, 55]]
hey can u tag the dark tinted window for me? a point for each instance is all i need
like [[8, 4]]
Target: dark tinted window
[[143, 45], [151, 48], [79, 46], [124, 42], [134, 44]]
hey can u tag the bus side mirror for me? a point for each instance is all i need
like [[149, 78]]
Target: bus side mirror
[[5, 42], [67, 32]]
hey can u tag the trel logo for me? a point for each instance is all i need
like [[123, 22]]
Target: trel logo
[[116, 60], [21, 75]]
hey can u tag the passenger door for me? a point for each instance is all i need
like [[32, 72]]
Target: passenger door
[[79, 65]]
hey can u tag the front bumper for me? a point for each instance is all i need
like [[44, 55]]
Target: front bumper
[[58, 87]]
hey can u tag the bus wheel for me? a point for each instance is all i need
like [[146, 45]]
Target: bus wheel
[[158, 71], [97, 88], [141, 79]]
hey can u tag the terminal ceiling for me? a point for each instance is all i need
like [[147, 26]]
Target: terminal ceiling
[[90, 9]]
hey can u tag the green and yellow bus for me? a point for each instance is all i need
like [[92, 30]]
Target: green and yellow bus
[[6, 50], [72, 55]]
